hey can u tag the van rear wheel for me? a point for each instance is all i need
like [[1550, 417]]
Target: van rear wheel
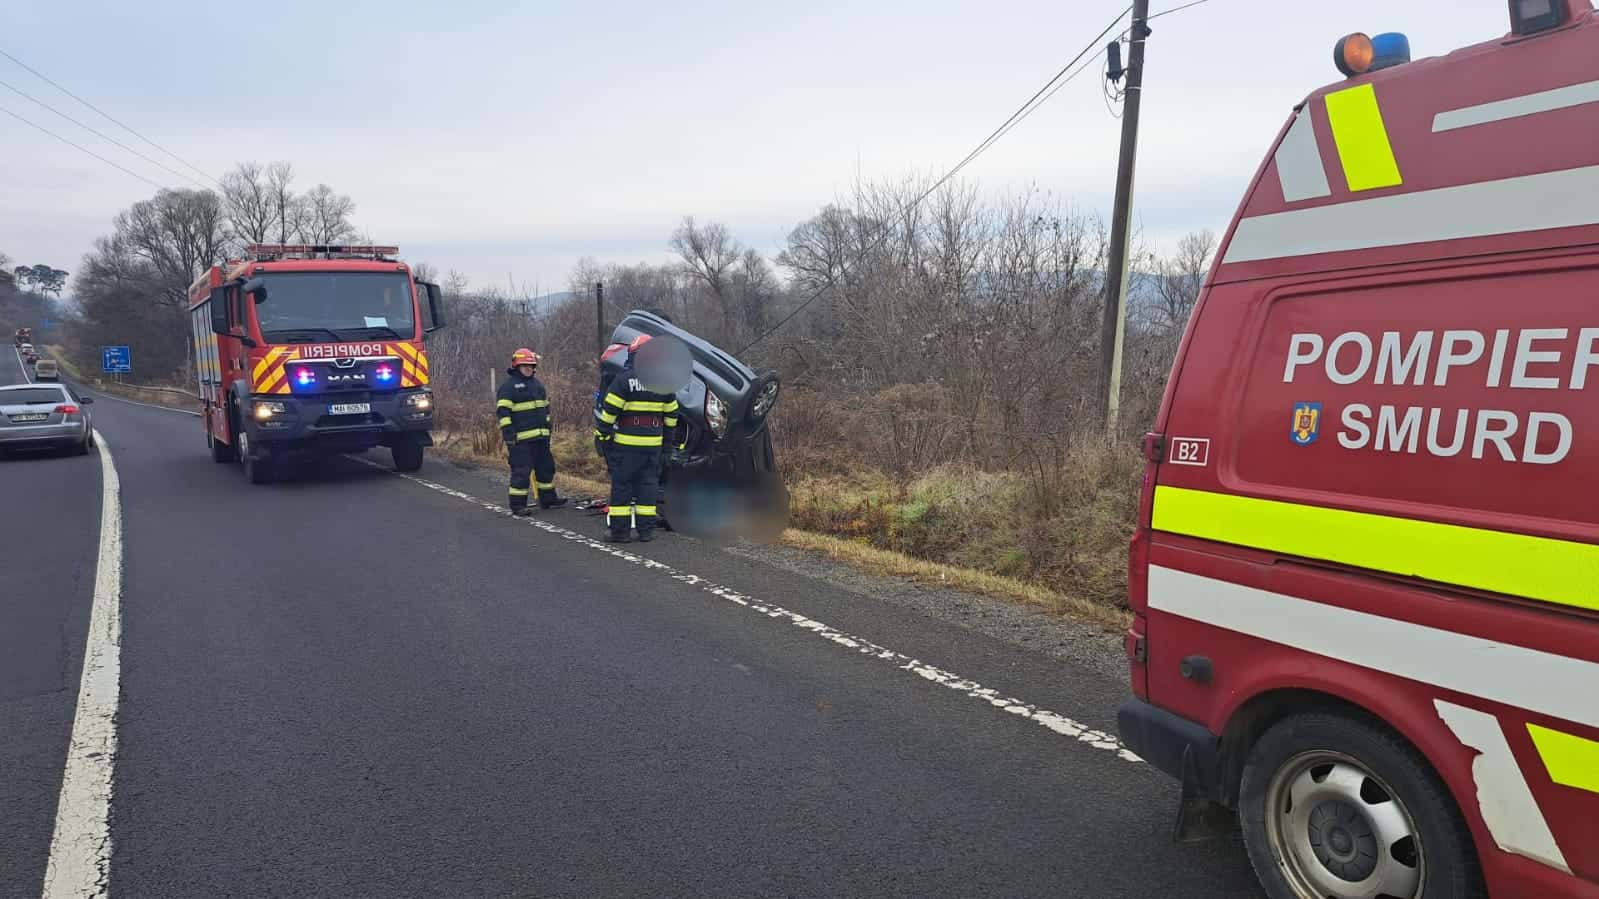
[[1333, 807]]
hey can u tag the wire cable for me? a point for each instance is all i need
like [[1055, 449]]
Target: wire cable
[[48, 80], [100, 134], [1038, 98], [1168, 12], [81, 147]]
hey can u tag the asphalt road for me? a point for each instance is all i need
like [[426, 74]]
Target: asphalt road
[[358, 684]]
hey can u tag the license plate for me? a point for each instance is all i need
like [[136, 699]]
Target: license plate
[[349, 408], [32, 416]]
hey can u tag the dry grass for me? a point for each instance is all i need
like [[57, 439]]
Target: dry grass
[[882, 494], [884, 562]]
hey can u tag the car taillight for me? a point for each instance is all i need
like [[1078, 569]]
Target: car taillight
[[67, 409]]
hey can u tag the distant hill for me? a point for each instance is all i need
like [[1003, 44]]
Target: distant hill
[[543, 303]]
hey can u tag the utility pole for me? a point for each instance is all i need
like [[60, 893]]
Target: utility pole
[[599, 318], [1114, 326]]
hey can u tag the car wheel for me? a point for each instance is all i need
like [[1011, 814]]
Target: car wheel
[[1333, 807], [82, 446]]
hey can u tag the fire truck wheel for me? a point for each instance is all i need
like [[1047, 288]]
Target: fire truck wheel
[[221, 453], [1335, 807], [256, 471], [407, 456]]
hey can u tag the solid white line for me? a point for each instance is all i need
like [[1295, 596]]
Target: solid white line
[[22, 366], [1516, 107], [1546, 200], [1518, 676], [80, 848], [1057, 723]]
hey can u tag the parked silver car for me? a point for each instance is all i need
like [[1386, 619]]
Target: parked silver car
[[43, 415]]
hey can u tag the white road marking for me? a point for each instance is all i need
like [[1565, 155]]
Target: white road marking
[[1057, 723], [22, 366], [80, 848]]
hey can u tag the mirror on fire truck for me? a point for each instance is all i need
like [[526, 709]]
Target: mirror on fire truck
[[256, 290], [435, 307]]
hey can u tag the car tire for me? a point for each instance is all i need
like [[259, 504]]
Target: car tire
[[407, 457], [1375, 804], [81, 448], [256, 470]]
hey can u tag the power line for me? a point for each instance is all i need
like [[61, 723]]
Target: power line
[[83, 148], [100, 134], [46, 79], [1167, 12], [1038, 98]]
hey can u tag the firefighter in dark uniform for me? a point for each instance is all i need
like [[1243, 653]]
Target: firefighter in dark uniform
[[523, 410], [631, 427]]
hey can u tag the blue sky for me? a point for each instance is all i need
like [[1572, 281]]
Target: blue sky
[[510, 139]]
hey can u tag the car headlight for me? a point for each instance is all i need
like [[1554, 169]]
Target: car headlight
[[265, 410], [715, 413], [419, 401]]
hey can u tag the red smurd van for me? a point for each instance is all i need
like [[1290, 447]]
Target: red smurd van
[[1365, 578]]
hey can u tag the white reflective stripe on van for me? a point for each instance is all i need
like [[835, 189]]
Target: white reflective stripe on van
[[1563, 199], [1530, 679], [1298, 158], [1516, 107]]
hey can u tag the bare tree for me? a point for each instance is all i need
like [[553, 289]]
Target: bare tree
[[325, 216], [252, 203], [1178, 279], [285, 204], [709, 253], [179, 233]]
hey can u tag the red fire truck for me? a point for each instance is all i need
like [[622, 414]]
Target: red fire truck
[[313, 349], [1365, 577]]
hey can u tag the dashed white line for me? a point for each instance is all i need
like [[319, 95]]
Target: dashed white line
[[80, 847], [1053, 721]]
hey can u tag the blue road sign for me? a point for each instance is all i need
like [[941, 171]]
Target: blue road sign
[[116, 360]]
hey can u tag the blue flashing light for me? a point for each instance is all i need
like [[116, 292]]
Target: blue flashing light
[[304, 376], [1390, 49], [385, 373]]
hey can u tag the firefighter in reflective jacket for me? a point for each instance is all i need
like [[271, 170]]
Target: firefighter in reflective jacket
[[523, 410], [631, 426]]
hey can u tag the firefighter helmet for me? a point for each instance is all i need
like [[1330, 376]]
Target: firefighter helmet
[[524, 356]]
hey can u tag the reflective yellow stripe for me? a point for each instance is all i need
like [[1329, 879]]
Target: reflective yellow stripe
[[504, 404], [267, 360], [671, 421], [633, 440], [505, 422], [612, 399], [621, 511], [646, 406], [528, 406], [517, 492], [1557, 571], [1362, 139], [603, 435], [544, 486], [644, 510], [1572, 761], [535, 432], [608, 416]]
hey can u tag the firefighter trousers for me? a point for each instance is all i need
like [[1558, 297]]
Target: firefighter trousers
[[635, 487], [531, 458]]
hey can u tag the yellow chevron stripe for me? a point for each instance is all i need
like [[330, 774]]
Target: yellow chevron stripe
[[268, 360], [1555, 571], [1572, 761], [279, 376], [406, 351]]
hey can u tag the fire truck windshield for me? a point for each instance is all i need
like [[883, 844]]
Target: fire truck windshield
[[348, 305]]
